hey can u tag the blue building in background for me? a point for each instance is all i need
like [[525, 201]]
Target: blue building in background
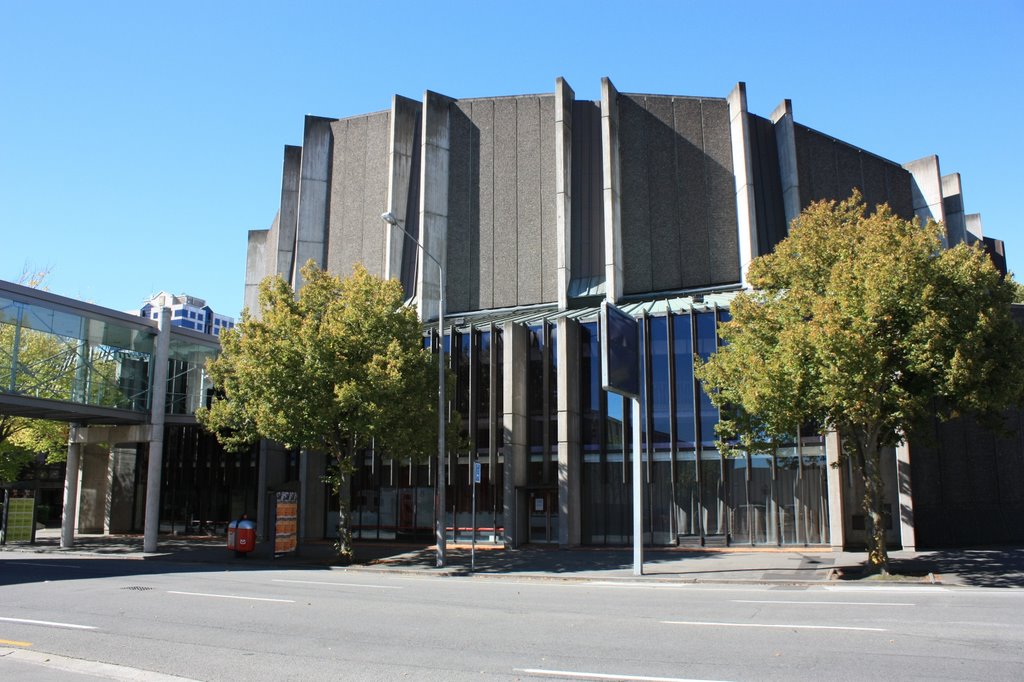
[[187, 311]]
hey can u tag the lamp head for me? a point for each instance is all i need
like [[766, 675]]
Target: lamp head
[[389, 218]]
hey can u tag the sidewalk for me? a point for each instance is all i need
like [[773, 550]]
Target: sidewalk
[[990, 567]]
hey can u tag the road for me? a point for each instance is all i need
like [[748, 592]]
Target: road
[[140, 618]]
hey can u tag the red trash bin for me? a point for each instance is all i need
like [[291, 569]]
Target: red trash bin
[[242, 536]]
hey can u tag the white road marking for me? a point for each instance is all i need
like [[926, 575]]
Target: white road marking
[[48, 623], [322, 582], [603, 676], [821, 603], [231, 596], [785, 626]]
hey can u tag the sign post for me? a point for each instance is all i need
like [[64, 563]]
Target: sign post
[[620, 373], [476, 482]]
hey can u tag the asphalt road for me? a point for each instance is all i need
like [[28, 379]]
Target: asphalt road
[[140, 618]]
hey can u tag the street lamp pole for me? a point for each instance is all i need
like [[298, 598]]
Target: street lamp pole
[[439, 510]]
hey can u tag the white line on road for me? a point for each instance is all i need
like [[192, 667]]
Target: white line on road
[[230, 596], [821, 603], [602, 676], [323, 582], [48, 623], [771, 625]]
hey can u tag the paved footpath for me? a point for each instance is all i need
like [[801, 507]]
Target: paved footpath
[[986, 567]]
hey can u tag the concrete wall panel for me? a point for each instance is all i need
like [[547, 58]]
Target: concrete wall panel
[[506, 211], [313, 194], [359, 185], [848, 170], [529, 245], [288, 215], [549, 228], [376, 192], [873, 187], [692, 200], [722, 229], [635, 195], [463, 241], [255, 267], [483, 120], [663, 182]]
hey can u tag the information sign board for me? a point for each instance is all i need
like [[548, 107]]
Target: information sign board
[[620, 352]]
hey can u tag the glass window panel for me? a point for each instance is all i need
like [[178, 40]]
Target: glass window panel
[[687, 495], [706, 345], [712, 498], [683, 359]]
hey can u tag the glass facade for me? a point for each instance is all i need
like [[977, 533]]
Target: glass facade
[[393, 498], [59, 355], [692, 494]]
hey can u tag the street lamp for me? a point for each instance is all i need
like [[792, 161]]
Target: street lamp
[[439, 511]]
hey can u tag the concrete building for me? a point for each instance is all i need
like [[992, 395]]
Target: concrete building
[[188, 312], [539, 207]]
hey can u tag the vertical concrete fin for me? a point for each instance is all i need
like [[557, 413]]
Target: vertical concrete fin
[[158, 403], [564, 97], [283, 251], [611, 184], [926, 190], [314, 195], [905, 491], [515, 425], [834, 477], [256, 266], [785, 143], [953, 206], [568, 392], [743, 173], [405, 114], [434, 165], [972, 225]]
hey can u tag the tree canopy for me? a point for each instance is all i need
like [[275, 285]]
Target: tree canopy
[[39, 363], [333, 369], [862, 323]]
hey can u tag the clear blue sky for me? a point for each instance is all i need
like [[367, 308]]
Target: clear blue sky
[[140, 141]]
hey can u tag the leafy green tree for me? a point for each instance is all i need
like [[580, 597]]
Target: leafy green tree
[[864, 324], [39, 359], [334, 369], [1018, 291]]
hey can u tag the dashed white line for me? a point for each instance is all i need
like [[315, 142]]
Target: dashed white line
[[603, 676], [784, 626], [48, 623], [231, 596]]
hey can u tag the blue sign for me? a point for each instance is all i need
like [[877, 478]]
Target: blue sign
[[476, 472], [620, 352]]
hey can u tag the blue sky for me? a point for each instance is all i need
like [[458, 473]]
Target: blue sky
[[139, 142]]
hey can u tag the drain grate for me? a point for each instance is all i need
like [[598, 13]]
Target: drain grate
[[137, 588]]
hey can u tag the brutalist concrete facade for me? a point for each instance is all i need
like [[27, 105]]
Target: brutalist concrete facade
[[542, 205]]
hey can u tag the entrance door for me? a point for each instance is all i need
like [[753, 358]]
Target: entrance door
[[543, 516]]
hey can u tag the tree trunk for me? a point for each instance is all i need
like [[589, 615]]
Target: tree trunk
[[346, 552], [869, 461], [345, 460]]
